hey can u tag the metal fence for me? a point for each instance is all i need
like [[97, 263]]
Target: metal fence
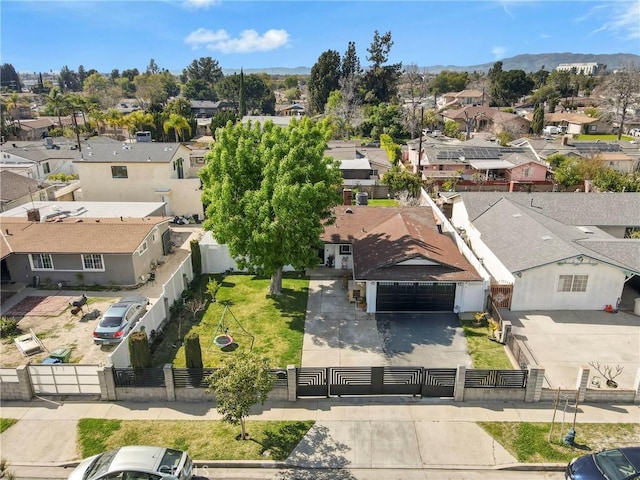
[[495, 379]]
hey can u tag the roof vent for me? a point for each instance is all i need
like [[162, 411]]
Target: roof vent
[[348, 210], [546, 237]]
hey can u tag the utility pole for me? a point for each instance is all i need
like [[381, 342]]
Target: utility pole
[[420, 143]]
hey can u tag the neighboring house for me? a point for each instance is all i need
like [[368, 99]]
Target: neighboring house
[[39, 159], [16, 190], [478, 160], [401, 261], [294, 110], [557, 251], [281, 121], [465, 97], [142, 172], [360, 165], [38, 128], [487, 119], [621, 156], [208, 108], [575, 123], [128, 105], [48, 210], [82, 251]]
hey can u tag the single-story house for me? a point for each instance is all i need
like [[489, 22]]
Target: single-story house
[[487, 119], [208, 108], [575, 123], [360, 165], [402, 260], [557, 251], [82, 251], [465, 97], [293, 110], [40, 158], [16, 190]]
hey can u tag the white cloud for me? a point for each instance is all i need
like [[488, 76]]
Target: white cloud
[[545, 35], [195, 4], [623, 20], [498, 52], [248, 41]]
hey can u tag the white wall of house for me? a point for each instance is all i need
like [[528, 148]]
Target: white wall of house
[[341, 260], [145, 182], [537, 289]]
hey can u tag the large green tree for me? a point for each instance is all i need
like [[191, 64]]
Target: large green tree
[[258, 95], [508, 86], [269, 191], [381, 79], [324, 78], [9, 78], [538, 119], [200, 78]]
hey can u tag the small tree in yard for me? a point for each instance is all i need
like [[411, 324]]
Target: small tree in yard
[[243, 381]]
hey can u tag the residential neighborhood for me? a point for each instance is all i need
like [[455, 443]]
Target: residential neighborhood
[[357, 266]]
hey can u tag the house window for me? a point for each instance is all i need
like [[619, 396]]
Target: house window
[[92, 262], [46, 168], [373, 173], [527, 172], [119, 172], [41, 261], [573, 283], [345, 249], [143, 248]]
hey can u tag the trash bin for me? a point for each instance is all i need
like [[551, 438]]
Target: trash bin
[[51, 361], [61, 354], [636, 308]]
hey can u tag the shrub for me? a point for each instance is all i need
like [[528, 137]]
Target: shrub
[[9, 327]]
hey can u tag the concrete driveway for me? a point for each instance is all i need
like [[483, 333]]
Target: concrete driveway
[[337, 334], [433, 340], [563, 341]]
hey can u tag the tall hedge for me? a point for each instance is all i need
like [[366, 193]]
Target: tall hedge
[[139, 351], [192, 350], [196, 259]]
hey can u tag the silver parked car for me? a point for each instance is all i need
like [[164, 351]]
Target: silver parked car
[[119, 319], [136, 463]]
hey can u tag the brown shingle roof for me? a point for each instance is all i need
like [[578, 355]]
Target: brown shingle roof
[[87, 235], [384, 237], [14, 186]]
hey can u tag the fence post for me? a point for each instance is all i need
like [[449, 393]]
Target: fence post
[[26, 388], [581, 384], [107, 383], [168, 381], [533, 390], [505, 332], [292, 383], [636, 387], [458, 389]]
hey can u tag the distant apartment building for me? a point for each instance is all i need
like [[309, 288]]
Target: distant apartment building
[[588, 68]]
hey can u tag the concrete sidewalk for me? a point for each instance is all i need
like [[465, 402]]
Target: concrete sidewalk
[[398, 432]]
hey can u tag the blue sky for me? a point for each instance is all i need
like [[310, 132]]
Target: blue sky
[[43, 35]]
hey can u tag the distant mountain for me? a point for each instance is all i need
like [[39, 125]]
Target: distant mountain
[[526, 62], [534, 62]]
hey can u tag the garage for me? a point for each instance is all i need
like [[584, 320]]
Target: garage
[[415, 296]]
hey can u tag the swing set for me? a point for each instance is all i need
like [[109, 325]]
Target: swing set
[[223, 338]]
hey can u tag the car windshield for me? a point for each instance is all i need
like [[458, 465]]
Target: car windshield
[[170, 461], [101, 464], [614, 465], [111, 322]]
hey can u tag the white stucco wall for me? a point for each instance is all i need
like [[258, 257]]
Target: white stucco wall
[[537, 289]]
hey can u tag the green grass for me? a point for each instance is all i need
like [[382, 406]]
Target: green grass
[[383, 202], [204, 440], [484, 352], [276, 323], [602, 137], [528, 442], [6, 423]]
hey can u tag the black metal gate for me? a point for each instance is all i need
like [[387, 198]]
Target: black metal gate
[[325, 382]]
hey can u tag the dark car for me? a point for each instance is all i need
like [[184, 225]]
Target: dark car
[[615, 464], [119, 319]]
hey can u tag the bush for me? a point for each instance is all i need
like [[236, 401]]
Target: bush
[[9, 327]]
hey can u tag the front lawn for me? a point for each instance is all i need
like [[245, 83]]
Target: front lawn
[[528, 442], [203, 439], [602, 138], [274, 325], [485, 353], [383, 202]]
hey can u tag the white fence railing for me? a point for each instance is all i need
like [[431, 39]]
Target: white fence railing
[[158, 313]]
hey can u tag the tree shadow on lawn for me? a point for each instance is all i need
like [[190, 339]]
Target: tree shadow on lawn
[[292, 304]]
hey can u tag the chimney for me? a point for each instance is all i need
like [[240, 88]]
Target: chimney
[[346, 196], [33, 215]]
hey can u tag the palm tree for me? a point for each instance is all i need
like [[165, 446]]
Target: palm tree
[[114, 119], [179, 124], [58, 102], [140, 119], [13, 103]]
